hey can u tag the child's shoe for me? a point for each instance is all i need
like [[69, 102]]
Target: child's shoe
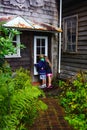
[[43, 86], [50, 86]]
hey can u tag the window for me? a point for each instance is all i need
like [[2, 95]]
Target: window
[[16, 43], [70, 33], [40, 47]]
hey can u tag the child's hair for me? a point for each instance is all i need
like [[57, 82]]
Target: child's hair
[[41, 56], [46, 57]]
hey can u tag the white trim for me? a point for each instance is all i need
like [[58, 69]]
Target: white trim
[[60, 35], [35, 53]]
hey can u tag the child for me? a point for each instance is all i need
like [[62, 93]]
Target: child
[[48, 72], [41, 68]]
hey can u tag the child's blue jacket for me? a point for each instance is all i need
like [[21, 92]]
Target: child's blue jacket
[[41, 67]]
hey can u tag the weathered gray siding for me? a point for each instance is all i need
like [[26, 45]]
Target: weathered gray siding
[[71, 63], [45, 12]]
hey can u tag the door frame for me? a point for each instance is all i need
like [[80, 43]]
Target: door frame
[[35, 49]]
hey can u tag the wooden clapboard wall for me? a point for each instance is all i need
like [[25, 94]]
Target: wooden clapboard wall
[[44, 11], [72, 63]]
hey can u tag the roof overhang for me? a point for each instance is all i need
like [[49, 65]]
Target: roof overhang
[[20, 22]]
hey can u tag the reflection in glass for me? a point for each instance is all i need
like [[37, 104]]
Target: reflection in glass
[[38, 50], [43, 42], [38, 42], [43, 50]]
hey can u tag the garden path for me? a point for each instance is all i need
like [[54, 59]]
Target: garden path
[[53, 117]]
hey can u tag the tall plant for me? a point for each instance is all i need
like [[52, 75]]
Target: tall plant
[[19, 100], [6, 45], [74, 100]]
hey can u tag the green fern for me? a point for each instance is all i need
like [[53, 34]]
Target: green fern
[[19, 100]]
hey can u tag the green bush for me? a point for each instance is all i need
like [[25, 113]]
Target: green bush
[[19, 100], [74, 100], [6, 42]]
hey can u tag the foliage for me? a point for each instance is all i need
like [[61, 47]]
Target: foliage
[[74, 100], [19, 100], [6, 42]]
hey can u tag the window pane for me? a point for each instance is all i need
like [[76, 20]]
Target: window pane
[[37, 59], [38, 42], [38, 50], [14, 39], [72, 48], [70, 33], [73, 30], [43, 42], [43, 50], [73, 38], [68, 23]]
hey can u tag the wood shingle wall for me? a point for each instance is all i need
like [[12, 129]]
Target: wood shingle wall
[[74, 62], [43, 11]]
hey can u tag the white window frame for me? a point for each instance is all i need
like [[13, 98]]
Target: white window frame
[[65, 33], [35, 50], [15, 55]]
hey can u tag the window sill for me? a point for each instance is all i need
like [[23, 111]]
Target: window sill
[[74, 53], [12, 56]]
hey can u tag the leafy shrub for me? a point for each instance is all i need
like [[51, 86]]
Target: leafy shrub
[[6, 42], [74, 100], [19, 100]]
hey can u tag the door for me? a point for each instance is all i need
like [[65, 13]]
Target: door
[[40, 47]]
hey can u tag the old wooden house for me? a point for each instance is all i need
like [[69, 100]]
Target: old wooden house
[[74, 37], [38, 22]]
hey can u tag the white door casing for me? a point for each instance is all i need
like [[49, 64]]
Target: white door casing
[[40, 47]]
